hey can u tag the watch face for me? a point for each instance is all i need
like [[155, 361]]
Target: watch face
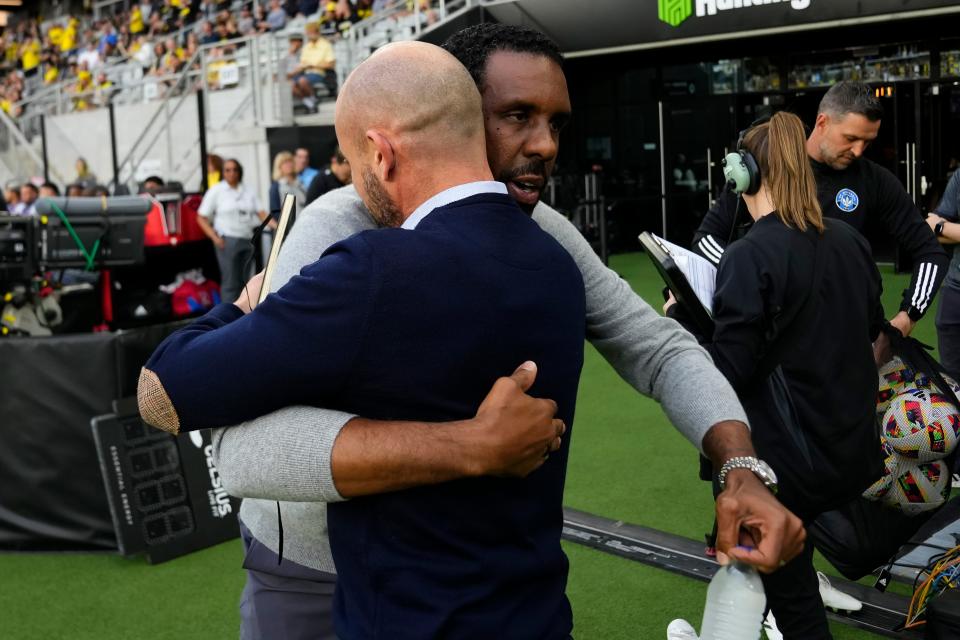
[[766, 470]]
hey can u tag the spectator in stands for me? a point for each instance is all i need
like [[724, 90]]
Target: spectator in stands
[[207, 35], [305, 173], [51, 66], [30, 56], [215, 63], [328, 19], [152, 184], [157, 26], [277, 17], [191, 47], [108, 40], [146, 8], [207, 10], [214, 169], [245, 23], [229, 213], [85, 177], [8, 103], [74, 190], [137, 20], [307, 8], [68, 41], [317, 65], [360, 10], [333, 176], [292, 61], [90, 56], [12, 197], [285, 182], [173, 14], [49, 190], [96, 191], [103, 90], [140, 52], [28, 200], [156, 68], [82, 88]]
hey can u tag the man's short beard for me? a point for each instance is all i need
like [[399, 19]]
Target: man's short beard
[[832, 159], [382, 207]]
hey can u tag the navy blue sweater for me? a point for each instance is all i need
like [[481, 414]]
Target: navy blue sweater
[[396, 324]]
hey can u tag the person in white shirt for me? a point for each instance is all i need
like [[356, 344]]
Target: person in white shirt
[[90, 56], [28, 201], [229, 213]]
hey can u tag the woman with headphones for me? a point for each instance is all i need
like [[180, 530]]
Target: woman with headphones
[[229, 214], [796, 309]]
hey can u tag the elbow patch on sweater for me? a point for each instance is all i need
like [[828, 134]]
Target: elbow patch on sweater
[[155, 405]]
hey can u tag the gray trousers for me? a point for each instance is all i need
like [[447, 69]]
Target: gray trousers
[[283, 601], [234, 268], [948, 329]]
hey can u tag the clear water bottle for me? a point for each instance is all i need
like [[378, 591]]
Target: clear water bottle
[[735, 604]]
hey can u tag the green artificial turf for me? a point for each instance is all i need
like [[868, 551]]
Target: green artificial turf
[[627, 463]]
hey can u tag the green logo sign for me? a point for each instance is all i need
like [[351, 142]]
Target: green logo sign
[[673, 12]]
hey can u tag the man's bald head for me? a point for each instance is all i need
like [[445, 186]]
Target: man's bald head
[[411, 88], [410, 116]]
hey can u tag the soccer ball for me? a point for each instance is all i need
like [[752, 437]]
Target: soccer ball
[[921, 425], [890, 462], [895, 378], [918, 487]]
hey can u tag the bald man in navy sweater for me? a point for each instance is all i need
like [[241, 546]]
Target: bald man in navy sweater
[[411, 323]]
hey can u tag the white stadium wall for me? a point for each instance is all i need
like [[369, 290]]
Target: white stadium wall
[[173, 151]]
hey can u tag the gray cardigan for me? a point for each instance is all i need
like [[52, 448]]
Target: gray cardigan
[[285, 456]]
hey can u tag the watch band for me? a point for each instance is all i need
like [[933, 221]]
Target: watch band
[[759, 468], [938, 228]]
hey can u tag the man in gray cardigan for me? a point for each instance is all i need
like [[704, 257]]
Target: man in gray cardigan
[[289, 464]]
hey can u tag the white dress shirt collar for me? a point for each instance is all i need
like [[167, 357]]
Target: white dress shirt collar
[[451, 195]]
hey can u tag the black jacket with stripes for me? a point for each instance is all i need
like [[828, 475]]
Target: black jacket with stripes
[[862, 191], [769, 314]]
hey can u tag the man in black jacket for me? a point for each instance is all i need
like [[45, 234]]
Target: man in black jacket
[[850, 188], [333, 176]]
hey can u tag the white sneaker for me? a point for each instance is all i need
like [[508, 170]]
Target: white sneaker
[[770, 627], [834, 598], [681, 630]]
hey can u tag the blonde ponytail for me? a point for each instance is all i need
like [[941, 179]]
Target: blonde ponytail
[[779, 148]]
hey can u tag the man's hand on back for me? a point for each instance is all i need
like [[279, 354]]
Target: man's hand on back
[[511, 435], [514, 432]]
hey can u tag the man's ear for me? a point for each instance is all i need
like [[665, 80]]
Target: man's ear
[[385, 157], [821, 122]]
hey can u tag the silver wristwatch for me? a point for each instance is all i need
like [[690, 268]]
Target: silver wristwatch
[[760, 468]]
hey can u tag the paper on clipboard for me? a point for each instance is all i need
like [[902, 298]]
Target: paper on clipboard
[[700, 273]]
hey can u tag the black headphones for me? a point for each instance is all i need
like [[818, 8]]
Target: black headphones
[[740, 168]]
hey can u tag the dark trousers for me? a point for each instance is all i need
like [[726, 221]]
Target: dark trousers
[[948, 330], [235, 266], [793, 594], [284, 601]]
